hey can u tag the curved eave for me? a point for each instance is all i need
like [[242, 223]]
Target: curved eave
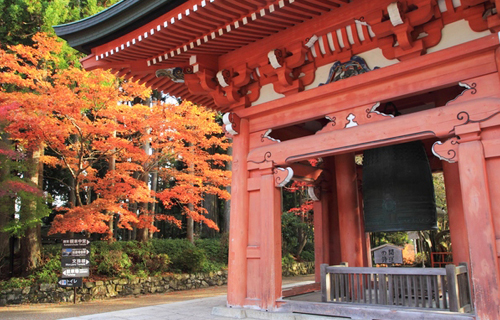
[[107, 25]]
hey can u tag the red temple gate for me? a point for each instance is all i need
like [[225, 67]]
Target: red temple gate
[[261, 62]]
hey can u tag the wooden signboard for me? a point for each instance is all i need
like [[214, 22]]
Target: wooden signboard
[[388, 254]]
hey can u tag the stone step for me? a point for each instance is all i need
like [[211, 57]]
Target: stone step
[[237, 313]]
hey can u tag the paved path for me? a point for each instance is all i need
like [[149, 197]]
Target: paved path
[[194, 304]]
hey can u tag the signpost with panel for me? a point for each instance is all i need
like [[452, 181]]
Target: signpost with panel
[[75, 263]]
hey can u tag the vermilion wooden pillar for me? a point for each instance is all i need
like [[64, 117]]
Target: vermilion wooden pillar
[[491, 141], [238, 231], [333, 213], [351, 236], [367, 253], [456, 219], [270, 247], [478, 216], [321, 233]]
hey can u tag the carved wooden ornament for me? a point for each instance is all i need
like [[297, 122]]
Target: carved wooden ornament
[[314, 193], [447, 151], [282, 176], [231, 123]]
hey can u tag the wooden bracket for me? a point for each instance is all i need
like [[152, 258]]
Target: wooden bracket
[[446, 151], [231, 123], [314, 193], [285, 65], [408, 23], [282, 176]]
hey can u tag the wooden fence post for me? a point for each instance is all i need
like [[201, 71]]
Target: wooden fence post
[[325, 283], [452, 284]]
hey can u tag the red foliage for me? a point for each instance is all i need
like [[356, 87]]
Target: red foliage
[[84, 118]]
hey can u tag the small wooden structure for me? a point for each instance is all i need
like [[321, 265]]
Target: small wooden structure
[[262, 62], [432, 288]]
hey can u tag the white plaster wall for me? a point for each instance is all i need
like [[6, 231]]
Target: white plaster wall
[[267, 94], [452, 34], [457, 33]]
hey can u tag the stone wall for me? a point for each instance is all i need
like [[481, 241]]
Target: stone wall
[[297, 269], [112, 288]]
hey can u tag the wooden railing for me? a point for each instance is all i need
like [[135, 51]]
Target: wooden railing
[[434, 288], [438, 259]]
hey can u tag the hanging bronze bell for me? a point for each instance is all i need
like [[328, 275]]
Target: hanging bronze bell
[[398, 191]]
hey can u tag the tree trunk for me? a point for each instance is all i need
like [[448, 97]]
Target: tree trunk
[[143, 234], [210, 203], [112, 167], [154, 187], [7, 205], [31, 242], [190, 226], [190, 221], [72, 193]]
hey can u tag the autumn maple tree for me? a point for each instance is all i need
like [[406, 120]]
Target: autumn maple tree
[[89, 127]]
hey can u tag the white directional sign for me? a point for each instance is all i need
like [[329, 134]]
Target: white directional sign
[[75, 243], [75, 272], [69, 262], [72, 282]]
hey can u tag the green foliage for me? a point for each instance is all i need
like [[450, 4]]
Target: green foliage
[[114, 263], [134, 259], [171, 247], [157, 263], [216, 250], [191, 260], [14, 282], [51, 251], [307, 255], [211, 266], [131, 257], [291, 225], [21, 19], [207, 255], [18, 194], [439, 190], [287, 259], [420, 258], [30, 215], [49, 272], [396, 238], [162, 255]]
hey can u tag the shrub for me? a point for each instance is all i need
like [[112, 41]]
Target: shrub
[[216, 250], [210, 266], [49, 272], [190, 260], [114, 263], [307, 256], [207, 255], [141, 274], [171, 247], [287, 259], [157, 263], [51, 251], [13, 283]]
